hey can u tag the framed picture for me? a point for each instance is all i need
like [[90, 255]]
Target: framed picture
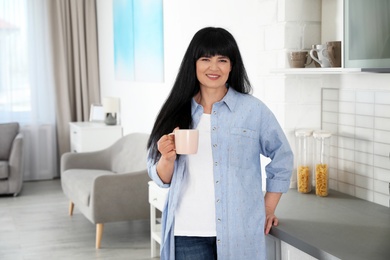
[[96, 113], [138, 32]]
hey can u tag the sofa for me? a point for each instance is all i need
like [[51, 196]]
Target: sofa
[[108, 185], [11, 159]]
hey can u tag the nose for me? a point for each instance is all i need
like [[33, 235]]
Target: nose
[[214, 65]]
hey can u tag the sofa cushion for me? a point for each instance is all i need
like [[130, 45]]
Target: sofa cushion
[[78, 183], [4, 172], [8, 132]]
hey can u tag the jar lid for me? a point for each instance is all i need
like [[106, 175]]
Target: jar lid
[[320, 134], [303, 132]]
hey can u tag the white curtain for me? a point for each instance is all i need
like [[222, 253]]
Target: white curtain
[[26, 83]]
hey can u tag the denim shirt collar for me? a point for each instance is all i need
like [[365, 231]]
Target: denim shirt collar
[[229, 100]]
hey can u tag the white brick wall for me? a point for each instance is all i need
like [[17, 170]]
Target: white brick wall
[[346, 105], [360, 120]]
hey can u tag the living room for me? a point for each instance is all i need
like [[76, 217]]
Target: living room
[[265, 31]]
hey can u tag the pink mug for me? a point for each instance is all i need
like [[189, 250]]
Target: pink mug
[[186, 141]]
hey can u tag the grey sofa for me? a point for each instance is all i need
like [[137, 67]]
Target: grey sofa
[[11, 159], [108, 185]]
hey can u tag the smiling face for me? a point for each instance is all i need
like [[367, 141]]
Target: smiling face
[[213, 72]]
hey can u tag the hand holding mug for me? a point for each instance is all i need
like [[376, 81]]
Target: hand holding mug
[[166, 146]]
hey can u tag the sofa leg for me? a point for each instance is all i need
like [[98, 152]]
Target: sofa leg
[[99, 233], [71, 207]]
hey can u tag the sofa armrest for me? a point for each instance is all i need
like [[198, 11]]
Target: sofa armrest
[[120, 197], [98, 160], [16, 164], [16, 156]]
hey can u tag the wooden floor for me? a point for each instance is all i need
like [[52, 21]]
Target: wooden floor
[[36, 225]]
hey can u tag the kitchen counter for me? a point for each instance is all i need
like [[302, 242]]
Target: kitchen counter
[[337, 226]]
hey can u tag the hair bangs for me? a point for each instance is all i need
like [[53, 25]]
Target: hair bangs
[[214, 43]]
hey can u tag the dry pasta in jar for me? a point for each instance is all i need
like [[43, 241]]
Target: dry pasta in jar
[[304, 159], [321, 177], [322, 152], [304, 185]]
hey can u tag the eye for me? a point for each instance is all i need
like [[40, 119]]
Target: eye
[[204, 59], [223, 59]]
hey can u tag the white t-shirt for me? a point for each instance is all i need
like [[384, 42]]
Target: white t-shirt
[[195, 213]]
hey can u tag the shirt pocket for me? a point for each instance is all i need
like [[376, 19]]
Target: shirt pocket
[[243, 147]]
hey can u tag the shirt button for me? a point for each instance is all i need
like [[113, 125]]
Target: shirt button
[[219, 220], [216, 163], [219, 241], [217, 182], [214, 112], [215, 145], [214, 128], [218, 200]]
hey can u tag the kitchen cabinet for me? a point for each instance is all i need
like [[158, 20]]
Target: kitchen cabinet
[[288, 252], [280, 250], [335, 27], [92, 136], [273, 245]]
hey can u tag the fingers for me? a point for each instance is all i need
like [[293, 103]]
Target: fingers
[[276, 221], [267, 228], [166, 146], [271, 220]]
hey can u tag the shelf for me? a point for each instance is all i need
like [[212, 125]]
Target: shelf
[[314, 71]]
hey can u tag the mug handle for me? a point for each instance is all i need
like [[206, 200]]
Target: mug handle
[[311, 60], [313, 57]]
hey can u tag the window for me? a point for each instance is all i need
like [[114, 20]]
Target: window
[[15, 91], [26, 82]]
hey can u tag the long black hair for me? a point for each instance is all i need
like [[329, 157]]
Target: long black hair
[[176, 111]]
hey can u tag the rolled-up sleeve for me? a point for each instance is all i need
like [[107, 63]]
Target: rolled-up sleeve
[[278, 149], [152, 171]]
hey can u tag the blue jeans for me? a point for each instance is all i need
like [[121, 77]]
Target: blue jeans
[[195, 248]]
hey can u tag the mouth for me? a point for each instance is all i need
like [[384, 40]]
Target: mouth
[[213, 76]]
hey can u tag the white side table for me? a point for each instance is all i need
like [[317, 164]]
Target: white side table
[[157, 197], [92, 136]]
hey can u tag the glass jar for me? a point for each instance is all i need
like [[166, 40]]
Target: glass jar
[[303, 159], [321, 160]]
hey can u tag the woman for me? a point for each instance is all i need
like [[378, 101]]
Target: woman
[[215, 207]]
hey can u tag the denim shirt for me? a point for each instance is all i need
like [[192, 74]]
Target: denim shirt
[[242, 128]]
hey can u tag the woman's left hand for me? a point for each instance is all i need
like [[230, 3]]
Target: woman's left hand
[[271, 201], [270, 220]]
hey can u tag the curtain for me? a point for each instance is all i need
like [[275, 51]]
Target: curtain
[[74, 36], [26, 83], [49, 75]]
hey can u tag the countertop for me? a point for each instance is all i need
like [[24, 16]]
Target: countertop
[[337, 226]]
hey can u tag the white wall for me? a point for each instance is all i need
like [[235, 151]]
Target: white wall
[[140, 102]]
